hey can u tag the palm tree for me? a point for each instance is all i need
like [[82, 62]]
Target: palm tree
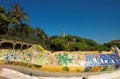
[[17, 11], [5, 20]]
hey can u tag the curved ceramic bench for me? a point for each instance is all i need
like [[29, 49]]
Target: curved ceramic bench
[[61, 64]]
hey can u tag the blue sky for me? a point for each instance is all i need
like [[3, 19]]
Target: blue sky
[[94, 19]]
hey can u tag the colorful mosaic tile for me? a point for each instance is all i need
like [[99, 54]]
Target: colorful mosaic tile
[[61, 62]]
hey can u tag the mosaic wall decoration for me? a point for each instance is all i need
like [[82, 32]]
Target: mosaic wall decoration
[[60, 62]]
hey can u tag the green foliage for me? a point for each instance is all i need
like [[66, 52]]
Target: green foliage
[[78, 39], [58, 44], [75, 46], [4, 21], [110, 44], [75, 43], [90, 42], [2, 9], [69, 38]]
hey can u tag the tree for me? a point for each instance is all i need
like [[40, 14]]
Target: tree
[[90, 42], [17, 11], [110, 44], [58, 44], [26, 30], [78, 39], [4, 20]]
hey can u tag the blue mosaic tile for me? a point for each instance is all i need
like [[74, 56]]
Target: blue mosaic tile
[[92, 60], [7, 58], [15, 58], [116, 59], [109, 59], [106, 59], [97, 62]]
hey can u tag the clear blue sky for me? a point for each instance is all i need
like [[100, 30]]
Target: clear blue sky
[[94, 19]]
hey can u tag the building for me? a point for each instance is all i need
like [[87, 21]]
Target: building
[[116, 41]]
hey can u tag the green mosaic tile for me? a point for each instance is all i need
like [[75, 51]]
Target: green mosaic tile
[[104, 68]]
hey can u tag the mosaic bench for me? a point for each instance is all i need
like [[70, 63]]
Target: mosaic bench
[[60, 62]]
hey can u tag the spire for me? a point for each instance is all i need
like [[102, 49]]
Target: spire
[[63, 33]]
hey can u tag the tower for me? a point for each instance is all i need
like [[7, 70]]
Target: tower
[[63, 33]]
